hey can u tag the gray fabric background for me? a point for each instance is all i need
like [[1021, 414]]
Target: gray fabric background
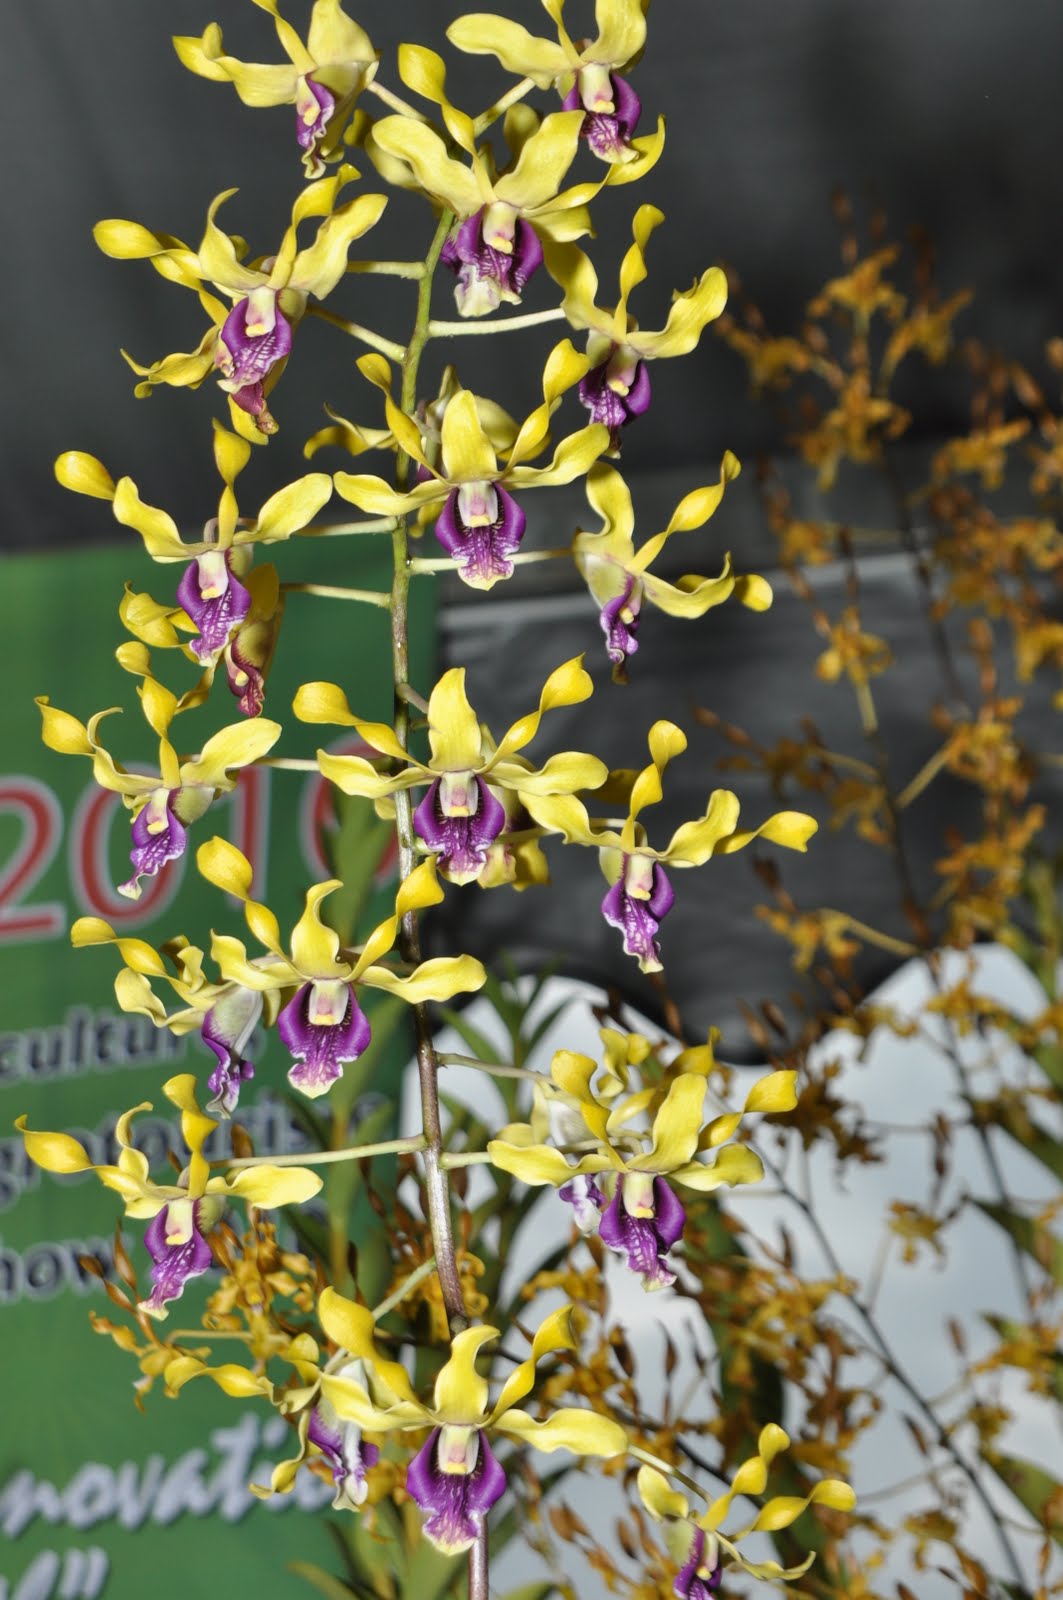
[[948, 112]]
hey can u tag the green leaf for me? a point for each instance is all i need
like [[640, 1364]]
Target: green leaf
[[1032, 1486], [1032, 1137], [479, 1044], [1049, 1058], [1037, 1242], [533, 1591], [354, 853], [324, 1582]]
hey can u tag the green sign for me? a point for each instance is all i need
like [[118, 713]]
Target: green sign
[[96, 1498]]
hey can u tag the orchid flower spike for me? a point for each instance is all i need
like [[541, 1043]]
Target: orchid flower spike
[[322, 1024], [479, 522], [249, 344], [619, 576], [461, 816], [616, 388], [164, 804], [455, 1477], [323, 78], [640, 893], [183, 1213]]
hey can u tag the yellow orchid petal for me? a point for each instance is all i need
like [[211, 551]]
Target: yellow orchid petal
[[196, 1128], [354, 1404], [693, 511], [532, 1164], [775, 1092], [574, 272], [554, 1333], [228, 869], [566, 815], [232, 1379], [467, 453], [157, 529], [83, 474], [568, 685], [687, 319], [238, 745], [793, 829], [315, 947], [268, 1186], [426, 155], [564, 773], [783, 1510], [735, 1164], [691, 596], [460, 1394], [231, 957], [676, 1126], [666, 741], [218, 258], [292, 507], [453, 726], [376, 495], [753, 591], [318, 269], [643, 155], [621, 32], [62, 732], [693, 843], [136, 953], [751, 1476], [573, 458], [611, 498], [420, 890], [351, 1327], [357, 776], [425, 72], [440, 978], [54, 1152], [520, 52], [334, 38], [633, 268], [160, 706], [543, 163], [585, 1433], [657, 1495], [562, 370], [326, 702], [257, 85]]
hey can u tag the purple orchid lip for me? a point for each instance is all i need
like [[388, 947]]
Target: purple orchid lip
[[487, 275], [460, 843], [620, 619], [608, 132], [254, 337], [322, 1047], [349, 1458], [483, 552], [227, 1029], [216, 601], [644, 1239], [313, 109], [639, 916], [158, 837], [244, 675], [456, 1501], [695, 1580], [607, 404], [175, 1243]]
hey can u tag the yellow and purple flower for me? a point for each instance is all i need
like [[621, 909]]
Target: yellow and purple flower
[[185, 1213], [456, 1477], [324, 77], [460, 818], [479, 522], [616, 387], [322, 1023], [640, 893]]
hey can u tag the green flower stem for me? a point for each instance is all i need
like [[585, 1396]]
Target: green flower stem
[[408, 693], [287, 763], [884, 941], [375, 341], [396, 102], [331, 591], [338, 530], [407, 1286], [436, 1183], [450, 1159], [926, 774], [354, 1152], [667, 1468], [530, 319], [497, 1069], [523, 558], [389, 269], [502, 105]]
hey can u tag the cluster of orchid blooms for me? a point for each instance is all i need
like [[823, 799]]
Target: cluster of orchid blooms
[[612, 1144]]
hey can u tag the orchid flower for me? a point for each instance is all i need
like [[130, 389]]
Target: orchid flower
[[250, 343], [459, 818], [695, 1543], [617, 386], [455, 1477], [225, 1014], [324, 77], [502, 218], [479, 522], [183, 1213], [640, 894], [229, 605], [588, 74], [619, 576], [165, 803], [322, 1024], [637, 1212]]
